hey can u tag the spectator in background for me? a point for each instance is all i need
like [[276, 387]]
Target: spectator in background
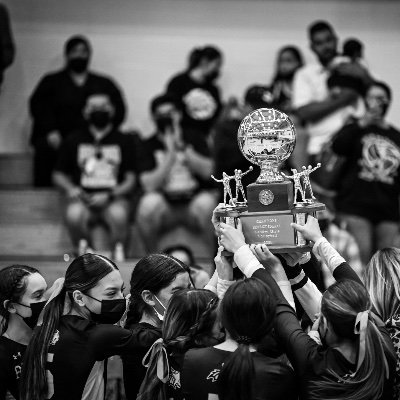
[[175, 177], [57, 102], [96, 170], [183, 253], [324, 112], [199, 96], [227, 155], [368, 197], [7, 48], [289, 60]]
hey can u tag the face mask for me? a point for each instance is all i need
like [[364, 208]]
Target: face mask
[[99, 119], [164, 123], [159, 316], [78, 64], [111, 311], [212, 76], [36, 309]]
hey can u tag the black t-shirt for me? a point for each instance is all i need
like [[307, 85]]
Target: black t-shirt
[[181, 183], [11, 355], [97, 165], [77, 354], [311, 361], [57, 103], [274, 378], [134, 371], [201, 103], [370, 185]]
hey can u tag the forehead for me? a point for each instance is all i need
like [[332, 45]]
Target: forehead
[[98, 100], [377, 91], [181, 280], [34, 283], [287, 55], [78, 48], [113, 279], [322, 36]]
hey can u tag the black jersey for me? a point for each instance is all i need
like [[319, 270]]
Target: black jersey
[[11, 355], [77, 356]]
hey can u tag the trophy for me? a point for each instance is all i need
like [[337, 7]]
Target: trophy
[[267, 137]]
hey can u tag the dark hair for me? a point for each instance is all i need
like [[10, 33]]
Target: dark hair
[[340, 305], [199, 54], [74, 41], [295, 51], [188, 323], [384, 86], [180, 247], [319, 26], [248, 314], [351, 47], [82, 274], [153, 272], [166, 98], [13, 284]]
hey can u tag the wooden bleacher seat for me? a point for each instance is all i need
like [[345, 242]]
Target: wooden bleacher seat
[[31, 224], [16, 170]]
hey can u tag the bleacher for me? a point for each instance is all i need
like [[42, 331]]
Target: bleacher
[[32, 229]]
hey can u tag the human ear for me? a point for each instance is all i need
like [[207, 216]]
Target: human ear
[[78, 298], [7, 304], [148, 298]]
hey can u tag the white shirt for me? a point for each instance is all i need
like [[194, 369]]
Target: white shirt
[[310, 84]]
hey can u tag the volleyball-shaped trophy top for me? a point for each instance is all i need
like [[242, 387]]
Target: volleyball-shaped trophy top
[[267, 138]]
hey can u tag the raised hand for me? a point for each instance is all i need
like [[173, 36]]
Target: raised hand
[[231, 238]]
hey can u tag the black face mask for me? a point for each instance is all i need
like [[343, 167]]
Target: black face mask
[[164, 123], [36, 309], [99, 119], [111, 312], [212, 76], [78, 64]]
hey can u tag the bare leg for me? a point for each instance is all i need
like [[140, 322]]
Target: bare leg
[[77, 216], [116, 216]]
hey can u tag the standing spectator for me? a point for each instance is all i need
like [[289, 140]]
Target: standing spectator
[[176, 178], [196, 90], [56, 105], [368, 197], [96, 170], [7, 48], [324, 112], [289, 60]]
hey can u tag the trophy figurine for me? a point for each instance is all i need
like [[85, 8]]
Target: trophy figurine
[[239, 186], [226, 181], [267, 137]]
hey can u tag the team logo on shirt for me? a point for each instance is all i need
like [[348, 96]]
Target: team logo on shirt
[[56, 338], [380, 159], [200, 104], [213, 375], [174, 379]]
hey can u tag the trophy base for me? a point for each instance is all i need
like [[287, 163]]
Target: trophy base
[[279, 250], [276, 196]]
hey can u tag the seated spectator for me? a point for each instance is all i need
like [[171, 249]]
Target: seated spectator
[[368, 196], [225, 132], [57, 103], [96, 170], [196, 90], [289, 60], [175, 178]]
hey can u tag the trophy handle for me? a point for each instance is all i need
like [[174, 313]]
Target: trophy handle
[[269, 172]]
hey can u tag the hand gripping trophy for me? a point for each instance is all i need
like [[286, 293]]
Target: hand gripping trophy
[[239, 185], [226, 179]]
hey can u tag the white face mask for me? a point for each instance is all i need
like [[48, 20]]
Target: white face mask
[[159, 316]]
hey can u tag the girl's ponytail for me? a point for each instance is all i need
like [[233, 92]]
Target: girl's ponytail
[[237, 375]]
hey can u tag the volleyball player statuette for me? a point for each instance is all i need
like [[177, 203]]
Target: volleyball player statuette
[[267, 137]]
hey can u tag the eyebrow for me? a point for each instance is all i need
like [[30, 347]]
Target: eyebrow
[[115, 287], [38, 291]]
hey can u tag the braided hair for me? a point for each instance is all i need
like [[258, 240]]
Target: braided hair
[[13, 284], [188, 323]]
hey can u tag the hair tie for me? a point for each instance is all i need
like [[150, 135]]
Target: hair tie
[[244, 340], [158, 350], [56, 289]]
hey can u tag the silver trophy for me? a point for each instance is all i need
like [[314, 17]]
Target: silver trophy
[[267, 138]]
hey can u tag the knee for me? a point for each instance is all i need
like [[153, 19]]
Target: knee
[[118, 212], [75, 213], [203, 205], [150, 206]]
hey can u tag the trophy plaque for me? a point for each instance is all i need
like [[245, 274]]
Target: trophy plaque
[[267, 137]]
